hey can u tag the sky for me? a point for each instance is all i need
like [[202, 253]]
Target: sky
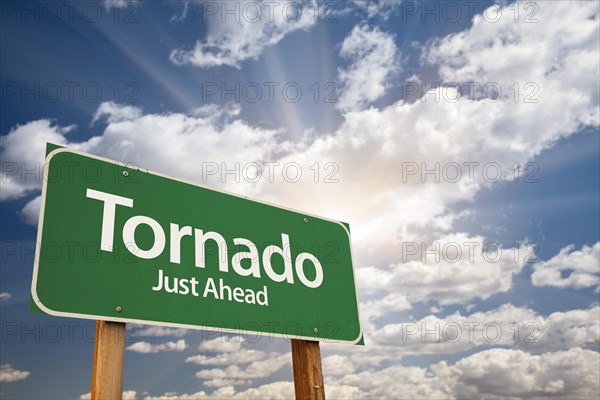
[[459, 140]]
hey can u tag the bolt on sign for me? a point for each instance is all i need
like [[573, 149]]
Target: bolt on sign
[[125, 244]]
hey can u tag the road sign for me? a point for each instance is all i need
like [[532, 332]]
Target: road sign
[[124, 244]]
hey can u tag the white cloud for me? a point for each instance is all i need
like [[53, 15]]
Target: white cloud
[[373, 58], [583, 267], [222, 344], [22, 154], [9, 374], [182, 15], [563, 69], [492, 374], [563, 330], [145, 347], [108, 4], [255, 370], [392, 302], [259, 25], [336, 365], [500, 373], [275, 390], [31, 212], [373, 309], [159, 331], [241, 356], [116, 113], [411, 382], [374, 8], [129, 395], [456, 268], [4, 296], [395, 336], [505, 326], [138, 139], [224, 382]]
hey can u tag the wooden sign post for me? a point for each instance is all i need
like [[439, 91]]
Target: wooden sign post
[[308, 372], [109, 351]]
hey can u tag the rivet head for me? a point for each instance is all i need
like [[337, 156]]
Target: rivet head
[[316, 330], [305, 220], [125, 173], [118, 309]]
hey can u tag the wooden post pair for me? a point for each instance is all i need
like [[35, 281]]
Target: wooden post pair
[[109, 352]]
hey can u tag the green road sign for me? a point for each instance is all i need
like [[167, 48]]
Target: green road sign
[[125, 244]]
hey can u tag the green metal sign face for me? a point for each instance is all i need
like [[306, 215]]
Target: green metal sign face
[[124, 244]]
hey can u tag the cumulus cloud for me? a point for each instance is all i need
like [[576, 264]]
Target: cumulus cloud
[[456, 268], [392, 302], [507, 325], [9, 374], [222, 344], [373, 58], [22, 154], [494, 373], [159, 331], [412, 382], [495, 52], [116, 113], [259, 25], [275, 390], [336, 365], [259, 364], [582, 268], [4, 296], [23, 148], [501, 373], [562, 330], [145, 347], [31, 212], [224, 382], [254, 370], [242, 356]]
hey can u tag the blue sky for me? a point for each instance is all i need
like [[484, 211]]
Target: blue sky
[[370, 89]]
